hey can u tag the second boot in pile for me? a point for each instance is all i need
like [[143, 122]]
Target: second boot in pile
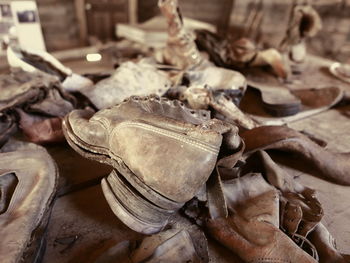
[[36, 103]]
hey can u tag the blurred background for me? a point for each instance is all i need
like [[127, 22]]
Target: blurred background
[[68, 24]]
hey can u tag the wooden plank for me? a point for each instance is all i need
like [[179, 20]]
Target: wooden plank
[[82, 226], [81, 17], [332, 126], [132, 9]]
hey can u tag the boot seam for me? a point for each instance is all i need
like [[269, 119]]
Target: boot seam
[[170, 134]]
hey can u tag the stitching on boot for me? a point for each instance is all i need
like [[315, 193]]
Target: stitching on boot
[[173, 135]]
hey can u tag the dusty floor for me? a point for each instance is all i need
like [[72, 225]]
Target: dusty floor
[[82, 225]]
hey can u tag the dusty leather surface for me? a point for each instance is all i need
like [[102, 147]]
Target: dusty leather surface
[[39, 129], [37, 181], [333, 166], [35, 102], [251, 228], [162, 130], [8, 126]]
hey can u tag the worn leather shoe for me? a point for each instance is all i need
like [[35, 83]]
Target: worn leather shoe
[[163, 149], [28, 181], [251, 229]]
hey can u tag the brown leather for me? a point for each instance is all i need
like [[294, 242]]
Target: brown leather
[[34, 92], [161, 131], [39, 129], [173, 245], [316, 98], [325, 245], [239, 54], [36, 175], [300, 208], [278, 101], [141, 138], [333, 166], [181, 50], [214, 45], [251, 229], [8, 126]]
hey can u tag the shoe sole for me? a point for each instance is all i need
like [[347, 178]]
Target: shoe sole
[[131, 208]]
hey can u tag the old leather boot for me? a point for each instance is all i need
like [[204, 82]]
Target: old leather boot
[[251, 229], [305, 23], [181, 50], [131, 207], [300, 210], [143, 136], [28, 180], [277, 101], [202, 97], [333, 166]]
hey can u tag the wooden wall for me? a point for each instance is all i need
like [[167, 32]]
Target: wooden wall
[[214, 12], [102, 16], [59, 23], [264, 21]]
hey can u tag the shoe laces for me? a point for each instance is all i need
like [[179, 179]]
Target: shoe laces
[[301, 241]]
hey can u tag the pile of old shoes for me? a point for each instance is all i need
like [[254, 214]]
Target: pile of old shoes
[[270, 217], [28, 182], [165, 155], [37, 102], [162, 152]]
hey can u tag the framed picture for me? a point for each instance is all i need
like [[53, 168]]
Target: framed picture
[[27, 16], [5, 11], [27, 23]]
